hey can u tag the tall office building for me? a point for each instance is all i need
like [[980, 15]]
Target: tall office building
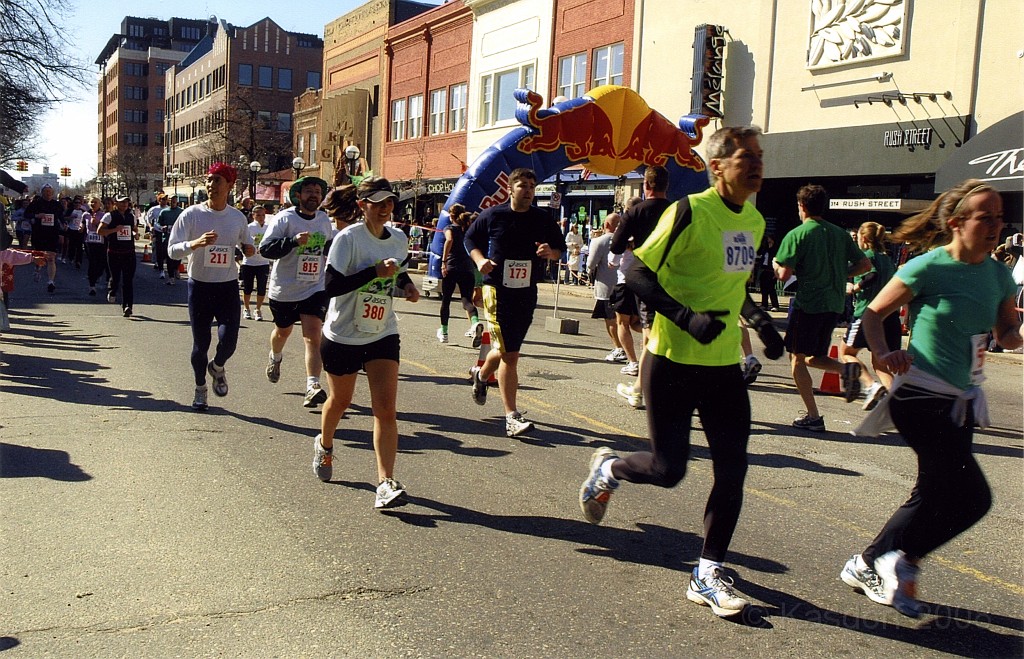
[[130, 103]]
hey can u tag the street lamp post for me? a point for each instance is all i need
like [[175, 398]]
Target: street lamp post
[[193, 183], [175, 175], [254, 169], [352, 159], [297, 164], [102, 179]]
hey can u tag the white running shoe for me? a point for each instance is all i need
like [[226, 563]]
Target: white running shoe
[[246, 314], [199, 402], [899, 577], [873, 396], [616, 355], [390, 493], [323, 459], [715, 591], [220, 378], [442, 336], [864, 579], [631, 368], [633, 397], [597, 490], [516, 424]]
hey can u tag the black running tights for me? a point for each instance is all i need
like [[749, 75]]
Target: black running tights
[[672, 392], [951, 492]]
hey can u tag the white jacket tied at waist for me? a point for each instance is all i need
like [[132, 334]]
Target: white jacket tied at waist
[[880, 420]]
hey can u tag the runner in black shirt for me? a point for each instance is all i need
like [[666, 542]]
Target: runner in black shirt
[[509, 244]]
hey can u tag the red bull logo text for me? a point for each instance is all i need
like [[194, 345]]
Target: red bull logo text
[[500, 196]]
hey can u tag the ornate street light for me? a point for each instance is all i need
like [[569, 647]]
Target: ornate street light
[[297, 164], [174, 176], [352, 159], [193, 183], [254, 169], [103, 179]]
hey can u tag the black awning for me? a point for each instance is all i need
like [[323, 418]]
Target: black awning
[[995, 156]]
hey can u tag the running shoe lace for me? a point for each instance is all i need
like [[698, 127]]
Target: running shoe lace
[[721, 583], [871, 578]]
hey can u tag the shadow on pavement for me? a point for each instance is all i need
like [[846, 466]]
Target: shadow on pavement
[[27, 462], [952, 631]]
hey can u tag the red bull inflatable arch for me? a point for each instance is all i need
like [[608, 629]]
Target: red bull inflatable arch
[[611, 129]]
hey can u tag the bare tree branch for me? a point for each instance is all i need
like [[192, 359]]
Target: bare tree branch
[[37, 70]]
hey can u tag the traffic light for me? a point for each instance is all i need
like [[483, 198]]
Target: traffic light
[[22, 166], [65, 171]]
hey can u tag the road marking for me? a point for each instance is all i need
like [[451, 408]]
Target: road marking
[[963, 569]]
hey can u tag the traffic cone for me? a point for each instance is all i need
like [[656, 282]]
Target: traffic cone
[[146, 256], [904, 318], [485, 347], [182, 269], [830, 381]]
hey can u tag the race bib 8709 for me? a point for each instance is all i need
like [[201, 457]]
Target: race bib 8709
[[738, 251]]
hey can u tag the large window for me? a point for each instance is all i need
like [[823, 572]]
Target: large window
[[312, 148], [284, 79], [245, 74], [572, 75], [608, 65], [398, 120], [496, 101], [415, 116], [266, 77], [312, 80], [438, 110], [457, 113], [284, 122]]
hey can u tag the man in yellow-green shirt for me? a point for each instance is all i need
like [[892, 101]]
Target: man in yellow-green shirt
[[692, 271]]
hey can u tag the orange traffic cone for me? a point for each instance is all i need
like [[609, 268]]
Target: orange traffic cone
[[181, 268], [830, 381], [485, 347], [146, 256]]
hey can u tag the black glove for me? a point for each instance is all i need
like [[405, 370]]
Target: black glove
[[761, 323], [774, 346], [702, 325]]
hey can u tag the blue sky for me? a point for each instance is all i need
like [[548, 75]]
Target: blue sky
[[69, 131]]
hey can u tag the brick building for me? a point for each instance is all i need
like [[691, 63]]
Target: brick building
[[232, 99], [130, 98], [353, 73], [426, 85]]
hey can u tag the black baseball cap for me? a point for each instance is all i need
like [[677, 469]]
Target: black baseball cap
[[375, 189]]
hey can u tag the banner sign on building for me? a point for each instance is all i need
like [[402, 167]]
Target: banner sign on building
[[708, 70]]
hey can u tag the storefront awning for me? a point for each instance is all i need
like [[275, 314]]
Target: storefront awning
[[995, 156]]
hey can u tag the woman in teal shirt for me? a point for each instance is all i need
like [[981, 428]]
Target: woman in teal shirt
[[957, 294]]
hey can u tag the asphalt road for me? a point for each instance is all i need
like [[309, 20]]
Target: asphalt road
[[131, 526]]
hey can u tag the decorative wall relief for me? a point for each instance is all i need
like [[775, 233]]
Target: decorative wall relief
[[845, 31]]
